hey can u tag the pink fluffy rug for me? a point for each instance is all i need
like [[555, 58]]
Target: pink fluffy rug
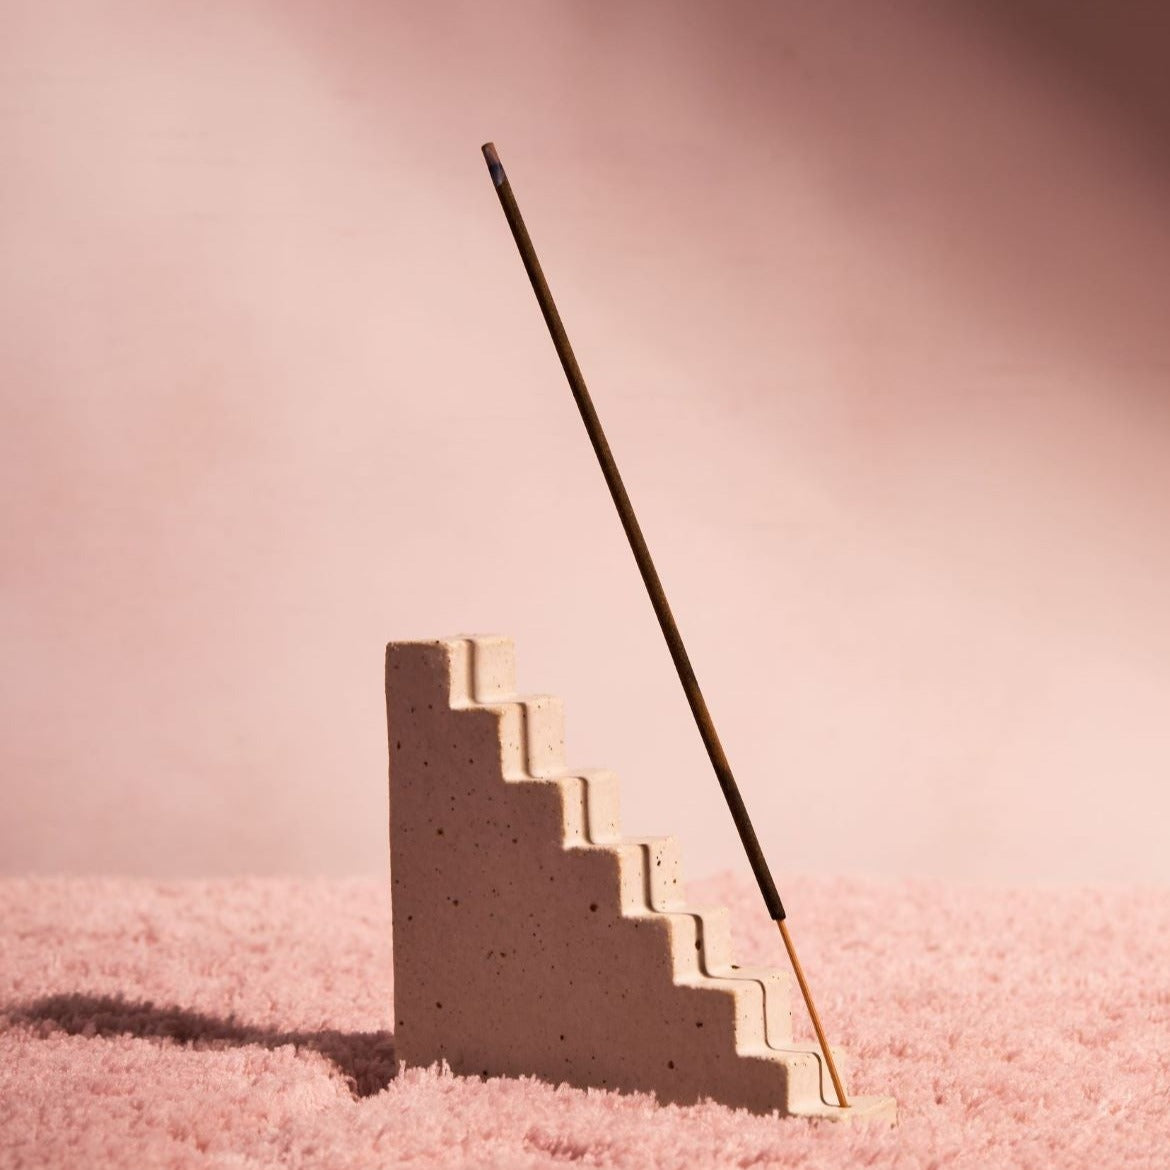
[[244, 1024]]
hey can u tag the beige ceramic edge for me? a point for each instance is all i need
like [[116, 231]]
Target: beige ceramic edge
[[532, 939]]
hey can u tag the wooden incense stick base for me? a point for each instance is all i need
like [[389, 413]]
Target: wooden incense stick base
[[814, 1015]]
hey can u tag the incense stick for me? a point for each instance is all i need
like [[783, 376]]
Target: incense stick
[[674, 642]]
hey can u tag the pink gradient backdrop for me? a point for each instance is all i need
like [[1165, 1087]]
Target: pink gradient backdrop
[[872, 301]]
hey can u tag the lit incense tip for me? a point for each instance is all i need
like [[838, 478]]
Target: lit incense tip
[[494, 165]]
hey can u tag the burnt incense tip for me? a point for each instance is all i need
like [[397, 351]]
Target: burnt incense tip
[[495, 167]]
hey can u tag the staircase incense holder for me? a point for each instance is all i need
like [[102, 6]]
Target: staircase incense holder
[[532, 939]]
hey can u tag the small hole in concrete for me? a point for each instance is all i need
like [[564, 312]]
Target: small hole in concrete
[[438, 832], [593, 907], [437, 1004], [698, 1023], [670, 1064]]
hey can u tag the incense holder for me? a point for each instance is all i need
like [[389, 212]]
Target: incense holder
[[532, 939]]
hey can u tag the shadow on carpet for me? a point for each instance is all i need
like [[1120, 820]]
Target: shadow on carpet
[[366, 1060]]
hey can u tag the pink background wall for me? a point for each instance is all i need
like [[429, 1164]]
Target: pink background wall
[[872, 301]]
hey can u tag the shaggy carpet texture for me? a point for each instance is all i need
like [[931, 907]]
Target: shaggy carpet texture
[[245, 1024]]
